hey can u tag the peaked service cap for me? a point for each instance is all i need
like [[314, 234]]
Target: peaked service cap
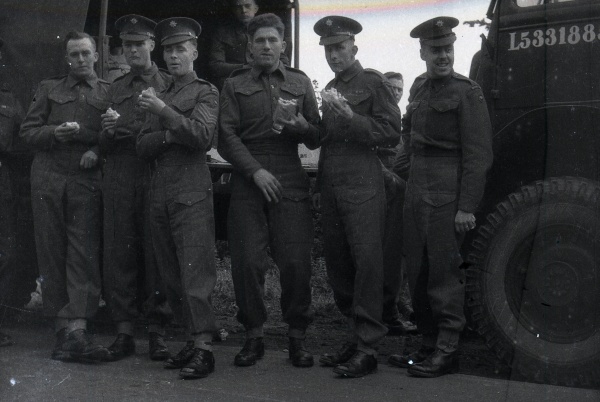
[[336, 29], [135, 27], [436, 31], [177, 29]]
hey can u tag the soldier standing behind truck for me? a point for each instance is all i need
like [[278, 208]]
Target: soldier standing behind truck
[[178, 131], [128, 253], [270, 203], [62, 126]]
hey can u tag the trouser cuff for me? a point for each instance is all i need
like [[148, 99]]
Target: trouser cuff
[[297, 333], [60, 323], [125, 327], [156, 328], [447, 340], [254, 332], [77, 323]]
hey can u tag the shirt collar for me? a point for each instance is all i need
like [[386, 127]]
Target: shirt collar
[[186, 79], [350, 72], [256, 73], [146, 76], [92, 80]]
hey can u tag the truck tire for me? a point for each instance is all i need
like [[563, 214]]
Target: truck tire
[[533, 287]]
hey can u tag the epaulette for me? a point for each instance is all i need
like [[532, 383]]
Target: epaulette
[[212, 87], [295, 70], [373, 71], [239, 71], [460, 77], [422, 76]]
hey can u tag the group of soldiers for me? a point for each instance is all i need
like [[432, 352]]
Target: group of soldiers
[[153, 194]]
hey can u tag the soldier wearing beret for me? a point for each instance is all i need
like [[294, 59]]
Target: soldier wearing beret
[[128, 251], [11, 115], [62, 127], [360, 116], [270, 203], [447, 132], [179, 129]]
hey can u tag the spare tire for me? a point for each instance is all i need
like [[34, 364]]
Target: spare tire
[[533, 288]]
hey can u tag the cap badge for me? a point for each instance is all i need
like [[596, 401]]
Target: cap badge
[[134, 20], [173, 24], [440, 23], [329, 23]]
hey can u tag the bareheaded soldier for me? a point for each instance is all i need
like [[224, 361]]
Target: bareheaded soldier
[[359, 114], [128, 251], [270, 203], [178, 132], [62, 127], [448, 135]]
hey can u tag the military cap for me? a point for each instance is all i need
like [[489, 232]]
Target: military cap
[[436, 31], [336, 29], [177, 29], [135, 27]]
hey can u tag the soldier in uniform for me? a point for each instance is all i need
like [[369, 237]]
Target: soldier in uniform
[[358, 118], [395, 286], [270, 204], [62, 126], [448, 136], [11, 115], [179, 129], [229, 47], [128, 251]]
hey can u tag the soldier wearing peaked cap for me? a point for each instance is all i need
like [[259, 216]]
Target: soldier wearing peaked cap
[[447, 132], [128, 252], [178, 131], [358, 118]]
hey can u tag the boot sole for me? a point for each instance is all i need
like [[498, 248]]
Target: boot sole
[[247, 364], [452, 370], [193, 374], [345, 373]]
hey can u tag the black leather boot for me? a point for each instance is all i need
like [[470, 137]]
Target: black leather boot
[[122, 347], [157, 348], [81, 348], [341, 356], [299, 356], [407, 360], [253, 350], [182, 358], [359, 365], [200, 366], [436, 364]]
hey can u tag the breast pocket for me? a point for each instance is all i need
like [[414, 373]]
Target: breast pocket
[[184, 106], [443, 117], [95, 107], [359, 102], [251, 101], [61, 107], [291, 93]]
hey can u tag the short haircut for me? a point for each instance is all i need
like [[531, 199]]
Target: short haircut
[[76, 35], [394, 76], [266, 21]]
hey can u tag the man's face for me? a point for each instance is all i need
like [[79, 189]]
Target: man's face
[[266, 47], [180, 58], [81, 57], [244, 10], [137, 53], [439, 60], [397, 88], [340, 56]]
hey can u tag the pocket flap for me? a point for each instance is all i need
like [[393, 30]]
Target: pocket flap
[[437, 200], [294, 90], [355, 99], [358, 195], [248, 90], [183, 105], [444, 105], [190, 199], [61, 98], [295, 194]]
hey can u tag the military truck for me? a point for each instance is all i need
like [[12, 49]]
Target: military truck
[[533, 285], [33, 32]]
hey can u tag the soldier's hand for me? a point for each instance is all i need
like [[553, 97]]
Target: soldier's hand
[[149, 102], [66, 132], [316, 201], [464, 221], [268, 185], [341, 108], [295, 123], [88, 160], [108, 121]]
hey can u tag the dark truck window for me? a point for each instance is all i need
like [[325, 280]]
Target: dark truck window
[[531, 3]]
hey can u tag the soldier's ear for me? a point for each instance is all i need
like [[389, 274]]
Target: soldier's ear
[[195, 54], [283, 46], [354, 50], [151, 45], [421, 53], [96, 57]]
